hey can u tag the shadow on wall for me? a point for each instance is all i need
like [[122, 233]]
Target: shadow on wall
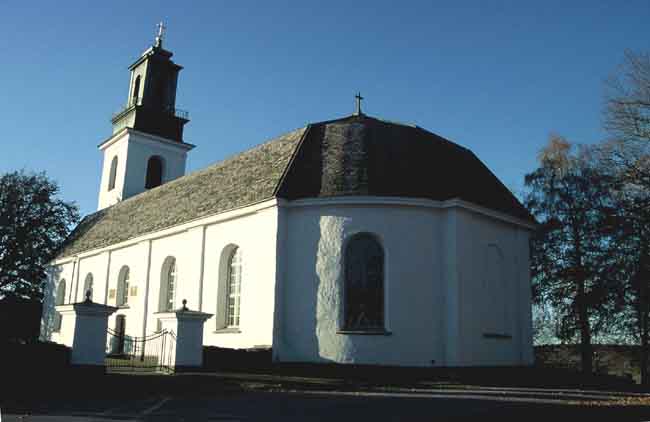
[[298, 322], [48, 313]]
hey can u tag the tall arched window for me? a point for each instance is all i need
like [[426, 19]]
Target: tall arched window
[[364, 284], [233, 294], [88, 286], [154, 172], [123, 287], [167, 285], [136, 90], [113, 174], [59, 299]]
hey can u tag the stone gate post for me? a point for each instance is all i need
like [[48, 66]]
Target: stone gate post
[[83, 328], [188, 327]]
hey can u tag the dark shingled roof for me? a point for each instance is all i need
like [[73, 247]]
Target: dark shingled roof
[[356, 155], [361, 155], [244, 179]]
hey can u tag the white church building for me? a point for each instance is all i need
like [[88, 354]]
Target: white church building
[[354, 240]]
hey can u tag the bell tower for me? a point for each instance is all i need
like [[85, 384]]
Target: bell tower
[[146, 148]]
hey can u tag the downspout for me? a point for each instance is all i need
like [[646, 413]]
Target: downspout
[[146, 292], [74, 267], [76, 287], [201, 268], [108, 274]]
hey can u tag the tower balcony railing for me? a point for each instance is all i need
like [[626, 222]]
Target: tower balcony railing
[[181, 114], [137, 101]]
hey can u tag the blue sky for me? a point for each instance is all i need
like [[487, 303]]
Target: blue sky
[[496, 77]]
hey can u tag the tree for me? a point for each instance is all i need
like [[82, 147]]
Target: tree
[[572, 257], [546, 325], [34, 222], [626, 158], [627, 100]]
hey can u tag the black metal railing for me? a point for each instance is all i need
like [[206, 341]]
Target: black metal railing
[[181, 114], [137, 101], [154, 353]]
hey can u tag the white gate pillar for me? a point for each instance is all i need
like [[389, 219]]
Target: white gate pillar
[[188, 328], [83, 328]]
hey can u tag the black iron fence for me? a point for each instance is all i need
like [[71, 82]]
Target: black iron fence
[[154, 353]]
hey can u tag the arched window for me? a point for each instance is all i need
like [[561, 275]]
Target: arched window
[[113, 174], [136, 91], [59, 299], [154, 172], [167, 285], [88, 286], [123, 287], [233, 294], [364, 284]]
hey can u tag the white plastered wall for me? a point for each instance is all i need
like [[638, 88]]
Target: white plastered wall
[[141, 148], [256, 236], [119, 149], [133, 257], [477, 302], [435, 265], [95, 265], [312, 310], [54, 277], [435, 262], [254, 232], [133, 150]]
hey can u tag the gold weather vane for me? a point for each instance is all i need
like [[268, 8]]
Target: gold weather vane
[[161, 33]]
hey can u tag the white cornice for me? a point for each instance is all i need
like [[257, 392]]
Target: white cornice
[[127, 130], [408, 202], [279, 202]]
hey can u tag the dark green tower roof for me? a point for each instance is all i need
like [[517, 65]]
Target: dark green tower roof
[[151, 104]]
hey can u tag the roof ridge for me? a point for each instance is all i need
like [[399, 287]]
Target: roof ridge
[[294, 154]]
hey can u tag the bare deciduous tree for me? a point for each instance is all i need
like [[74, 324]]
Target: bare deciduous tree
[[626, 157]]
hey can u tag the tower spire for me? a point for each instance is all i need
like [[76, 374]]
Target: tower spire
[[151, 103], [161, 33]]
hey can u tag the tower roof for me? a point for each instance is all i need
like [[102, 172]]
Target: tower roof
[[354, 156]]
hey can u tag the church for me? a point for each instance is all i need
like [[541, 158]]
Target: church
[[352, 240]]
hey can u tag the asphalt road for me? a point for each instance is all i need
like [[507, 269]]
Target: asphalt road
[[338, 407]]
